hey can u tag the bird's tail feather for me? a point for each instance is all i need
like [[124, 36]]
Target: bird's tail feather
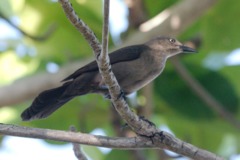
[[46, 103]]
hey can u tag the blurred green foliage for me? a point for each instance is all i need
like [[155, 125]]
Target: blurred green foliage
[[176, 106]]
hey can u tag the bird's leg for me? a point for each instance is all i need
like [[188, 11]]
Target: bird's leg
[[108, 96], [103, 89]]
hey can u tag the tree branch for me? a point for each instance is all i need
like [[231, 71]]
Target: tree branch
[[134, 143]]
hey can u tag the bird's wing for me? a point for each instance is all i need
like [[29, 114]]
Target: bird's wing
[[124, 54]]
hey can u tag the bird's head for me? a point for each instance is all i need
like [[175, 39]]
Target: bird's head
[[168, 46]]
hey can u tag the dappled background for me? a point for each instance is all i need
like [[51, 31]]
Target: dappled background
[[39, 47]]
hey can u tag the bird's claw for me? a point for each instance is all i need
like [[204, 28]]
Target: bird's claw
[[122, 95]]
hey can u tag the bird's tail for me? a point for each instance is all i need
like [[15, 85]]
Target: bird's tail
[[46, 103]]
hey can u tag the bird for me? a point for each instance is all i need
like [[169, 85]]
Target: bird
[[133, 66]]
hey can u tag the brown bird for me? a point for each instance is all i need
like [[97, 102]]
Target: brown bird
[[134, 67]]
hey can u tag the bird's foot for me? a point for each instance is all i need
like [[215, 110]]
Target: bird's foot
[[122, 95], [107, 96]]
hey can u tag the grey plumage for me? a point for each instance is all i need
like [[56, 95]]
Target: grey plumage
[[134, 67]]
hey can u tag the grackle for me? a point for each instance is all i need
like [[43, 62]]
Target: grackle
[[134, 67]]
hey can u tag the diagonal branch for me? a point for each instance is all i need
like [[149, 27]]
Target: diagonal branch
[[203, 94], [138, 125]]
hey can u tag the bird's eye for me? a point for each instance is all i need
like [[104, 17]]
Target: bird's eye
[[172, 40]]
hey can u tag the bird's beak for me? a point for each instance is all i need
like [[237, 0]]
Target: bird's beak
[[188, 49]]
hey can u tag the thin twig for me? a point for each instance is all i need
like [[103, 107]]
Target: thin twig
[[103, 55], [77, 148]]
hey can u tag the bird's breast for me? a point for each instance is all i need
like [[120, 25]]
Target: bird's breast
[[141, 81], [134, 75]]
